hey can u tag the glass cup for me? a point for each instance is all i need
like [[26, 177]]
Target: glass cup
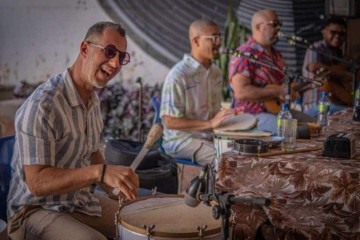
[[289, 127]]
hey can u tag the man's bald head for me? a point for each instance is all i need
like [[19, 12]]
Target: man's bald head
[[205, 40], [265, 26], [261, 16], [199, 27]]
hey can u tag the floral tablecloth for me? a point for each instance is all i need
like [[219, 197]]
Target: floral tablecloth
[[312, 197]]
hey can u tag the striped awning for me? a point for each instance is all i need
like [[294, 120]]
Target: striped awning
[[160, 27]]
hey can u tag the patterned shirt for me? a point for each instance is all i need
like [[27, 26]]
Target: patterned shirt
[[259, 75], [312, 96], [192, 91], [54, 128]]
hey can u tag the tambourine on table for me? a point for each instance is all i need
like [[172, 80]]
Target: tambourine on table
[[165, 217], [238, 134]]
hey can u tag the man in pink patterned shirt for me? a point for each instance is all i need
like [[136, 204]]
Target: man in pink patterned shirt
[[248, 80]]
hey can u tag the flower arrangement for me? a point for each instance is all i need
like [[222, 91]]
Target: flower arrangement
[[121, 110]]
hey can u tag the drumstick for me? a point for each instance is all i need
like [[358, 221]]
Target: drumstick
[[289, 152], [153, 135]]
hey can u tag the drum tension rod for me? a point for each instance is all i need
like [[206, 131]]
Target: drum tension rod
[[154, 191], [116, 224], [201, 231], [117, 216], [148, 230]]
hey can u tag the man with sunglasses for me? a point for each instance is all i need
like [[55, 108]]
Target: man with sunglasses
[[319, 58], [249, 80], [191, 97], [56, 153]]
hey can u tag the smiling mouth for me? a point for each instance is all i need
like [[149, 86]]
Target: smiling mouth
[[105, 73]]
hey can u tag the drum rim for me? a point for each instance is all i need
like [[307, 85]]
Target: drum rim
[[137, 230], [223, 136]]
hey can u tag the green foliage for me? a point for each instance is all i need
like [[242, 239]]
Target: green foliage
[[234, 35]]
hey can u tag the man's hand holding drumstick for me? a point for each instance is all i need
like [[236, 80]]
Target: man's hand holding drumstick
[[126, 187]]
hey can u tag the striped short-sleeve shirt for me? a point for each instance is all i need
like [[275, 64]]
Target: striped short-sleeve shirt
[[260, 75], [54, 128]]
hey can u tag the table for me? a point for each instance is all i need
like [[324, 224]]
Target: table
[[312, 197]]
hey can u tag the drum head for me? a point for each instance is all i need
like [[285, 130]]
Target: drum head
[[242, 121], [170, 215]]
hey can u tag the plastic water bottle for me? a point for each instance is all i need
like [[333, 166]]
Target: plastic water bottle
[[356, 113], [283, 114], [324, 110]]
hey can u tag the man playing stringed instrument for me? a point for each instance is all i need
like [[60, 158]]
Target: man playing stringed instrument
[[319, 58], [249, 80]]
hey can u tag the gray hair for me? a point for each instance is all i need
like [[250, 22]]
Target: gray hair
[[98, 28], [259, 16]]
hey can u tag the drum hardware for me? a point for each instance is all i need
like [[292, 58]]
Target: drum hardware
[[149, 230], [117, 216], [117, 235], [154, 191], [201, 231], [232, 224], [195, 193]]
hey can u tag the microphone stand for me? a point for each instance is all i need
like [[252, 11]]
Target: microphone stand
[[224, 200], [223, 210], [140, 137]]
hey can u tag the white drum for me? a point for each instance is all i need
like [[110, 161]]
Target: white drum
[[168, 217], [231, 129], [223, 143]]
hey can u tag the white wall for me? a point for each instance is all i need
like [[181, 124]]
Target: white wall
[[40, 38]]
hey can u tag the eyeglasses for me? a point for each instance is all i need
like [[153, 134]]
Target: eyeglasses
[[340, 33], [274, 24], [214, 38], [110, 52]]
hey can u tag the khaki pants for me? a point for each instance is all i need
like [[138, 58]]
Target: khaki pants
[[199, 150], [38, 223]]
